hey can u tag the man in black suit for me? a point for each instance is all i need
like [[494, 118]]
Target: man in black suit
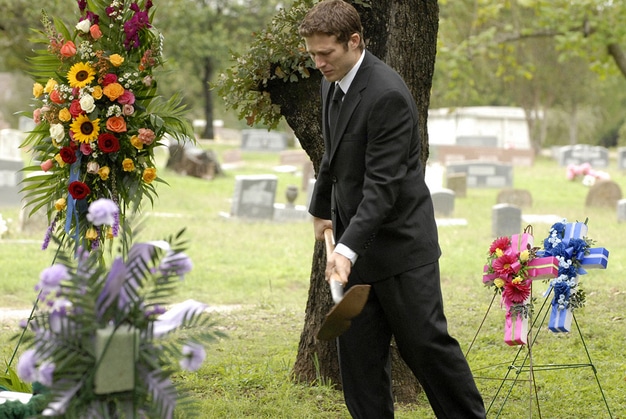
[[370, 189]]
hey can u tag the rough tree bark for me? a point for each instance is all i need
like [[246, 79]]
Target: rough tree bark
[[403, 34]]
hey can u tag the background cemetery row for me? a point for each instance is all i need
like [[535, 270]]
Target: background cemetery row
[[474, 161]]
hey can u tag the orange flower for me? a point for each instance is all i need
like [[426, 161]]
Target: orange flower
[[56, 97], [116, 124], [113, 91], [95, 32], [68, 49]]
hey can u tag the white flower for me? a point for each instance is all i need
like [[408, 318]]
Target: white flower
[[193, 356], [176, 316], [87, 103], [83, 25], [57, 132]]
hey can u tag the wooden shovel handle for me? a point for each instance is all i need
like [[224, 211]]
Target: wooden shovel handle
[[329, 240]]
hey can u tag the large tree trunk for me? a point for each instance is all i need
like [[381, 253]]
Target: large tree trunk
[[403, 34]]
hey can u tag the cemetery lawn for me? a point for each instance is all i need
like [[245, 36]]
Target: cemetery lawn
[[255, 275]]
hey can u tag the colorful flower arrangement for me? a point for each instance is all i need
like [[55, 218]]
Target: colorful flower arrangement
[[103, 343], [513, 263], [98, 116]]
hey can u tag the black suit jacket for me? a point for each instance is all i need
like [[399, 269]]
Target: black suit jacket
[[371, 182]]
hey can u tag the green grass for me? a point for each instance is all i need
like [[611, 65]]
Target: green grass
[[264, 268]]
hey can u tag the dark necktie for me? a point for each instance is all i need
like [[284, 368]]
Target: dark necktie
[[335, 107]]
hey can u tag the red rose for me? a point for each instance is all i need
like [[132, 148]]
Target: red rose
[[68, 155], [78, 190], [108, 143]]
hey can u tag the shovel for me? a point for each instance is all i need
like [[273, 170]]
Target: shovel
[[347, 306]]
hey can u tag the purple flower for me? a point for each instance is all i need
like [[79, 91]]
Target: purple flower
[[176, 264], [48, 236], [50, 279], [193, 356], [58, 315], [113, 285], [27, 366], [102, 211], [46, 371], [176, 316]]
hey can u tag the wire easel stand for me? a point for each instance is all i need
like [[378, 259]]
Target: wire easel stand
[[527, 363]]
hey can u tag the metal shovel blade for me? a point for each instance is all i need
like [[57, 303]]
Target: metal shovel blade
[[340, 317]]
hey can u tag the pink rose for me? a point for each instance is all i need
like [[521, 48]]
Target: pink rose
[[68, 49], [85, 148], [108, 79], [127, 98], [75, 108], [47, 165], [146, 135], [37, 116], [128, 110]]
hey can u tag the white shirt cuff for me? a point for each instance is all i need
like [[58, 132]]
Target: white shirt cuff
[[344, 250]]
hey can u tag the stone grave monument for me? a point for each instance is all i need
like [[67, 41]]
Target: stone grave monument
[[482, 174], [605, 193], [254, 196], [443, 202], [518, 197], [263, 140], [506, 220], [596, 156]]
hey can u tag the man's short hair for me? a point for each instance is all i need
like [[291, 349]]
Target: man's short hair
[[332, 17]]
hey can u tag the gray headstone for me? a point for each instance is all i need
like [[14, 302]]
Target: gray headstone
[[481, 174], [263, 140], [621, 158], [506, 220], [254, 196], [10, 178], [457, 182], [596, 156], [621, 210], [477, 141], [443, 202]]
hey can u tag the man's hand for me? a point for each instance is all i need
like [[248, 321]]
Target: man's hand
[[338, 266], [319, 225]]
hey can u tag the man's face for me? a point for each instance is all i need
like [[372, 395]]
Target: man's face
[[331, 57]]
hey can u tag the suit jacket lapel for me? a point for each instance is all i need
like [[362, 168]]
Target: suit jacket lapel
[[350, 102]]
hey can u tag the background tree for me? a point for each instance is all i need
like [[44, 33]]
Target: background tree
[[201, 35], [401, 33], [553, 59]]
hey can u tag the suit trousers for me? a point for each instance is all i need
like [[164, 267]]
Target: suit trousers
[[409, 307]]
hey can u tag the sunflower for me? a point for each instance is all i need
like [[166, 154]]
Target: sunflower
[[80, 75], [84, 129]]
